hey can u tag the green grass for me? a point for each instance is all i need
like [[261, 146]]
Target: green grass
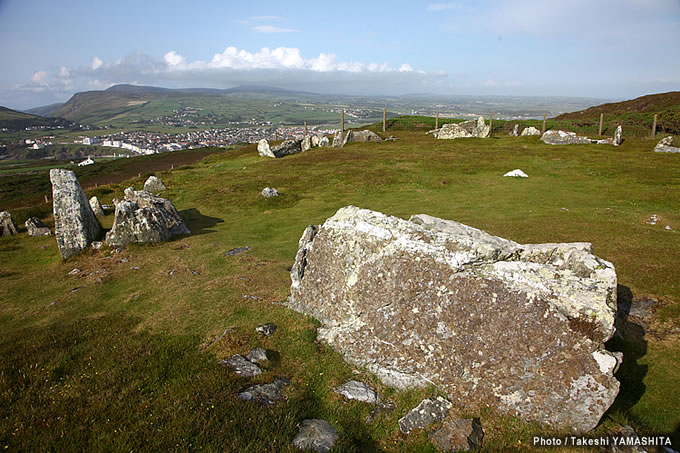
[[121, 364]]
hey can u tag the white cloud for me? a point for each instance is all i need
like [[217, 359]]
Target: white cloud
[[263, 18], [64, 72], [174, 59], [435, 7], [405, 68], [40, 77], [273, 29], [96, 63]]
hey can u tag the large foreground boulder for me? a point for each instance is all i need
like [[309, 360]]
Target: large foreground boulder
[[144, 218], [75, 225], [8, 226], [489, 321]]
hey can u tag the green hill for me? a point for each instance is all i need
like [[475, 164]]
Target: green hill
[[45, 110], [11, 119]]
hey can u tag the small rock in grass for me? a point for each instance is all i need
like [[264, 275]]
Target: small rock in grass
[[429, 411], [379, 409], [269, 192], [317, 435], [668, 227], [267, 329], [356, 390], [517, 173], [75, 271], [257, 355], [236, 251], [242, 366], [265, 393]]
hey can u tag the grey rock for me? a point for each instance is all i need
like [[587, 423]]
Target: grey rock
[[97, 245], [266, 329], [287, 148], [618, 136], [236, 251], [154, 185], [487, 320], [315, 140], [35, 227], [242, 366], [75, 224], [144, 218], [665, 145], [317, 435], [627, 431], [257, 355], [269, 192], [564, 138], [429, 411], [365, 136], [355, 390], [515, 131], [380, 408], [324, 142], [516, 173], [306, 143], [96, 207], [531, 130], [472, 128], [265, 393], [263, 148], [641, 308], [458, 435]]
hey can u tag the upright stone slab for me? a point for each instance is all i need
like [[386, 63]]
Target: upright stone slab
[[263, 148], [489, 321], [96, 207], [618, 136], [75, 225], [531, 130], [7, 225], [154, 185]]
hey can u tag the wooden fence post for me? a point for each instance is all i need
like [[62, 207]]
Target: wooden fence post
[[601, 121], [436, 120], [654, 126], [490, 124], [47, 200], [342, 121], [305, 128], [384, 119], [543, 131]]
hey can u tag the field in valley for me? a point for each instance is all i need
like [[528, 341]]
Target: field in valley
[[123, 354]]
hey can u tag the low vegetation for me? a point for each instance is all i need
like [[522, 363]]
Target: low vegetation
[[123, 353]]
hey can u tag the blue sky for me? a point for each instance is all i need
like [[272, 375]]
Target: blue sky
[[615, 49]]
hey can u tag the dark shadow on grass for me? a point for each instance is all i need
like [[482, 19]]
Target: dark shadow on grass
[[199, 223], [630, 339]]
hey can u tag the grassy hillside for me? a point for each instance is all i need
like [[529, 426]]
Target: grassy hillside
[[122, 354], [45, 110], [11, 119]]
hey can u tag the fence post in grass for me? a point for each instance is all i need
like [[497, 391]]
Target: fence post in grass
[[543, 130], [47, 200], [490, 124], [654, 127], [342, 121], [436, 120], [305, 128], [384, 119], [172, 167], [601, 121]]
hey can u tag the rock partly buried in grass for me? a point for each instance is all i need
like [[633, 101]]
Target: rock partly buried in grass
[[429, 411], [96, 207], [269, 192], [287, 148], [242, 366], [516, 173], [342, 138], [144, 218], [489, 321], [35, 227], [564, 138], [266, 329], [154, 185], [665, 145], [265, 393], [462, 434], [355, 390], [8, 226], [75, 225], [531, 130], [317, 435]]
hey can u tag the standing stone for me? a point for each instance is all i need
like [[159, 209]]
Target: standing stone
[[531, 130], [317, 435], [306, 144], [488, 321], [430, 410], [75, 225], [515, 131], [35, 227], [315, 140], [481, 130], [618, 136], [458, 435], [324, 142], [154, 185], [7, 225], [263, 148], [96, 207], [287, 148]]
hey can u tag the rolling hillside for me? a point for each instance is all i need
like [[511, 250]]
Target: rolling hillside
[[11, 119]]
